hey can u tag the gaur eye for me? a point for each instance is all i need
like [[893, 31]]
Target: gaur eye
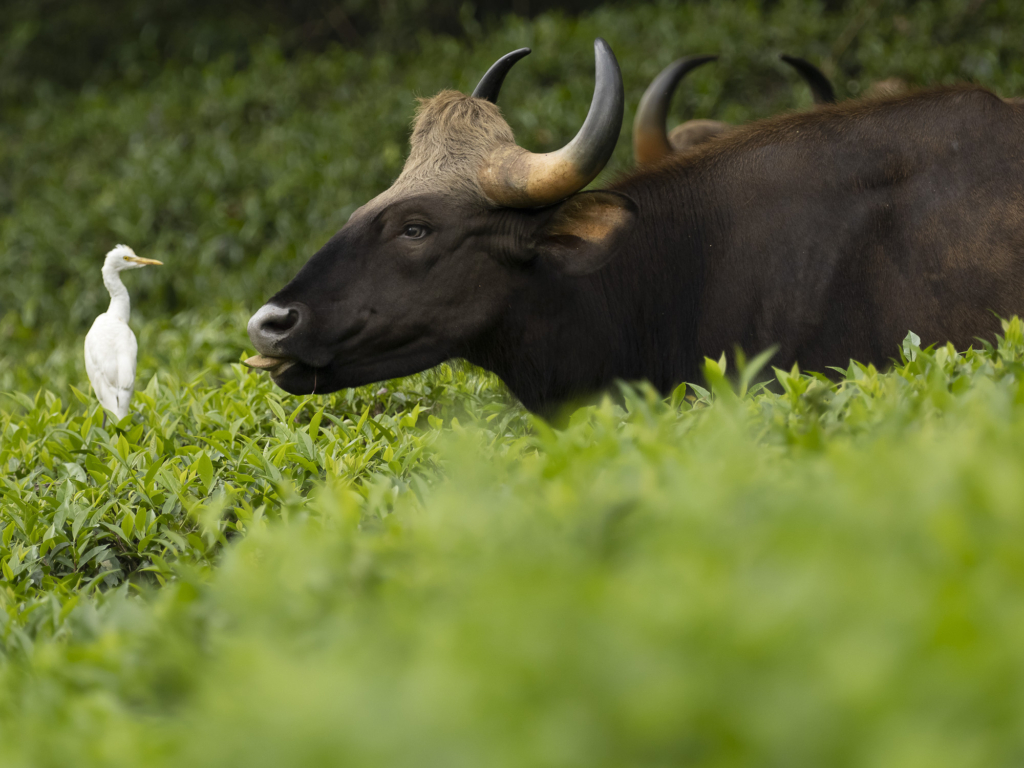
[[415, 231]]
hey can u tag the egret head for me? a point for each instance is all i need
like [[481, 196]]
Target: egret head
[[122, 257]]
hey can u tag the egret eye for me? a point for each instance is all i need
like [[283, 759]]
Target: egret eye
[[415, 231]]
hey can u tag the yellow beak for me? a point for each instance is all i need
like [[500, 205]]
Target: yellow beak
[[140, 260]]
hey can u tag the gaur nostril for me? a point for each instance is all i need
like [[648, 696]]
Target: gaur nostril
[[281, 324], [273, 324]]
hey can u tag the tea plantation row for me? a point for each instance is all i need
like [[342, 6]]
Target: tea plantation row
[[829, 574]]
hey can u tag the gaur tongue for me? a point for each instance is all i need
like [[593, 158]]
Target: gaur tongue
[[263, 363]]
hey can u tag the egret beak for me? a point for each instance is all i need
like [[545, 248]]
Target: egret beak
[[140, 260], [273, 365]]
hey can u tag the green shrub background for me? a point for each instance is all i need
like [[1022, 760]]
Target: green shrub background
[[417, 572]]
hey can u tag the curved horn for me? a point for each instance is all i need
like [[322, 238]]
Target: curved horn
[[490, 84], [650, 139], [821, 88], [514, 177]]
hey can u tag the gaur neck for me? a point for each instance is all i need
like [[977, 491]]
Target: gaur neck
[[120, 305], [634, 319]]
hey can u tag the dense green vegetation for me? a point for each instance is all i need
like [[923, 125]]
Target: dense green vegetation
[[53, 45], [827, 576], [417, 572]]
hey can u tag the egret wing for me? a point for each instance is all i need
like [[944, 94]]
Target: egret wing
[[127, 355], [99, 363], [110, 354]]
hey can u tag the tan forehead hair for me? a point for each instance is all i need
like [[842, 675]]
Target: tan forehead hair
[[452, 136]]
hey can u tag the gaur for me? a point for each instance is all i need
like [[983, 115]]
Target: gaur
[[829, 233]]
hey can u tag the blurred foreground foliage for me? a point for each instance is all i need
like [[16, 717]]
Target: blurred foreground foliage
[[827, 575]]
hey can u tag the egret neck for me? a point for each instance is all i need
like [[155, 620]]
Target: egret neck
[[120, 304]]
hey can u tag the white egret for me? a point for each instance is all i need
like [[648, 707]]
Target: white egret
[[110, 346]]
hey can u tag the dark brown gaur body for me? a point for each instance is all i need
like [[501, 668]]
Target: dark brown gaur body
[[829, 233], [834, 232]]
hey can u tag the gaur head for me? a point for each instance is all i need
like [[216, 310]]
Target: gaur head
[[651, 142], [426, 268]]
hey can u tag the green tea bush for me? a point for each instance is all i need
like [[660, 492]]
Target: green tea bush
[[84, 502], [827, 575]]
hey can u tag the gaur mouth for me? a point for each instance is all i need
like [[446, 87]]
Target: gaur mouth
[[299, 377], [275, 366], [291, 375]]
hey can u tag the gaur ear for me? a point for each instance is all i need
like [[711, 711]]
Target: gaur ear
[[581, 235]]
